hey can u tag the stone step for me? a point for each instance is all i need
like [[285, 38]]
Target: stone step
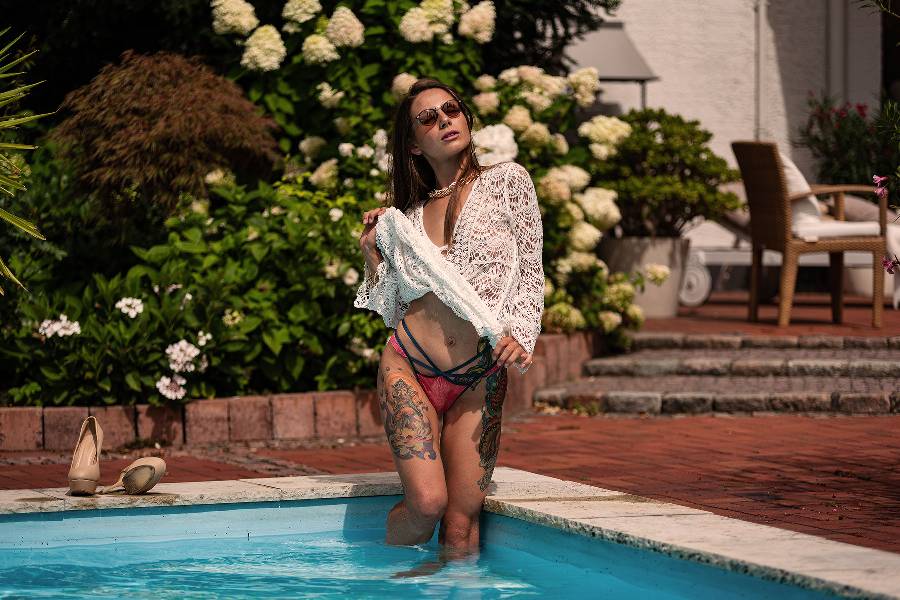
[[730, 393], [648, 339], [850, 362]]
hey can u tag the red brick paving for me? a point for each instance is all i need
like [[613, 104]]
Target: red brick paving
[[832, 476], [726, 312]]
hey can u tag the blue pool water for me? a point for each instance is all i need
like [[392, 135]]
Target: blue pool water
[[330, 549]]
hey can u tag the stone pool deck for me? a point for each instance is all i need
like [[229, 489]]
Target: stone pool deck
[[836, 477], [692, 534]]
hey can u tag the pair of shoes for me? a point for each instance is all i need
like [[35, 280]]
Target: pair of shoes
[[84, 473]]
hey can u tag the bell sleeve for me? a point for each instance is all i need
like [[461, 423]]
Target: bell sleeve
[[380, 292], [526, 306]]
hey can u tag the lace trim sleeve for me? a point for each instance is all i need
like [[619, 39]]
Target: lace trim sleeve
[[380, 292], [527, 304]]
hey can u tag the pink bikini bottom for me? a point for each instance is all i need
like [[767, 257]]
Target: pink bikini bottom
[[444, 387]]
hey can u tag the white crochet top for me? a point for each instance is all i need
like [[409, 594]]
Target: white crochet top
[[497, 246]]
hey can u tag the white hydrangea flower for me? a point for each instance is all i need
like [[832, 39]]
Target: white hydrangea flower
[[181, 356], [203, 338], [264, 50], [342, 124], [635, 314], [657, 273], [537, 100], [486, 102], [485, 83], [328, 96], [172, 387], [562, 316], [604, 130], [584, 236], [386, 162], [351, 276], [619, 296], [335, 214], [325, 175], [318, 49], [62, 327], [548, 287], [344, 29], [536, 135], [311, 146], [300, 11], [478, 22], [585, 84], [130, 306], [414, 26], [348, 182], [609, 320], [380, 139], [601, 151], [600, 207], [560, 145], [552, 85], [509, 76], [530, 74], [575, 176], [495, 144], [401, 84], [233, 16], [518, 118], [447, 39], [215, 177], [345, 148], [554, 189], [374, 172], [575, 210], [232, 317], [252, 233], [365, 151], [578, 261], [332, 268]]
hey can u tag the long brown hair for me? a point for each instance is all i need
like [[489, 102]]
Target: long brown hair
[[411, 175]]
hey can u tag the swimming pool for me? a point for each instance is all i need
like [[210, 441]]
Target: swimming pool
[[330, 549]]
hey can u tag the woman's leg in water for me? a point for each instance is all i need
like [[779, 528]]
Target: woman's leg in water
[[470, 442], [413, 430]]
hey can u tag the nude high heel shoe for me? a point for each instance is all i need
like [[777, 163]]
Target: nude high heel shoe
[[85, 470], [139, 476]]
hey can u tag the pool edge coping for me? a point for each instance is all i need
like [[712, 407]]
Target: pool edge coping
[[700, 536]]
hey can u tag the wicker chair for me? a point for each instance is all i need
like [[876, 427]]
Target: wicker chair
[[770, 227]]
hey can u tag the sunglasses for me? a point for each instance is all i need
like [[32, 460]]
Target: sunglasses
[[429, 116]]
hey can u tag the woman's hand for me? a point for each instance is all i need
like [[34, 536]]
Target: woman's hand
[[509, 351], [367, 237]]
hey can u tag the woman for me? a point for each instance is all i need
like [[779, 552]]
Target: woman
[[440, 385]]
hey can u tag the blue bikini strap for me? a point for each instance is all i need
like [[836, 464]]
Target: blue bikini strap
[[431, 364]]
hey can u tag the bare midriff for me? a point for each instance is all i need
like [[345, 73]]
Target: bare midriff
[[447, 338]]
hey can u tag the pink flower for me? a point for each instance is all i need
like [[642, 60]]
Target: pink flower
[[890, 264], [861, 110], [881, 192], [879, 180]]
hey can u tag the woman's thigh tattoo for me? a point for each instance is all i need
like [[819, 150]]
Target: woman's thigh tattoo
[[489, 443], [406, 422]]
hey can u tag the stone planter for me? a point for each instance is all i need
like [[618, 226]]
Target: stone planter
[[630, 254]]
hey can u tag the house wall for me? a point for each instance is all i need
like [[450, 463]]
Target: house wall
[[744, 68]]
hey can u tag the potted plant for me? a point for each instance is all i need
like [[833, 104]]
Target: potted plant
[[665, 175]]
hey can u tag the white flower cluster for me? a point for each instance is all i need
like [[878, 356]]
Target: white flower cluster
[[233, 16], [351, 276], [264, 50], [318, 49], [562, 316], [172, 387], [548, 287], [558, 184], [599, 205], [328, 96], [359, 348], [536, 135], [635, 314], [619, 295], [344, 29], [577, 262], [300, 11], [232, 317], [609, 320], [401, 84], [486, 102], [335, 214], [584, 236], [62, 327], [432, 17], [485, 83], [604, 134], [219, 176], [585, 85], [326, 174], [495, 144], [181, 356], [130, 306], [383, 158], [478, 22], [518, 118], [311, 146], [331, 269], [560, 145], [203, 338], [657, 273]]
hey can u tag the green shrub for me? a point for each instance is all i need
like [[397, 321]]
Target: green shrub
[[665, 175]]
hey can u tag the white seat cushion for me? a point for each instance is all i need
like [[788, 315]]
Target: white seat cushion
[[803, 210], [811, 230]]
